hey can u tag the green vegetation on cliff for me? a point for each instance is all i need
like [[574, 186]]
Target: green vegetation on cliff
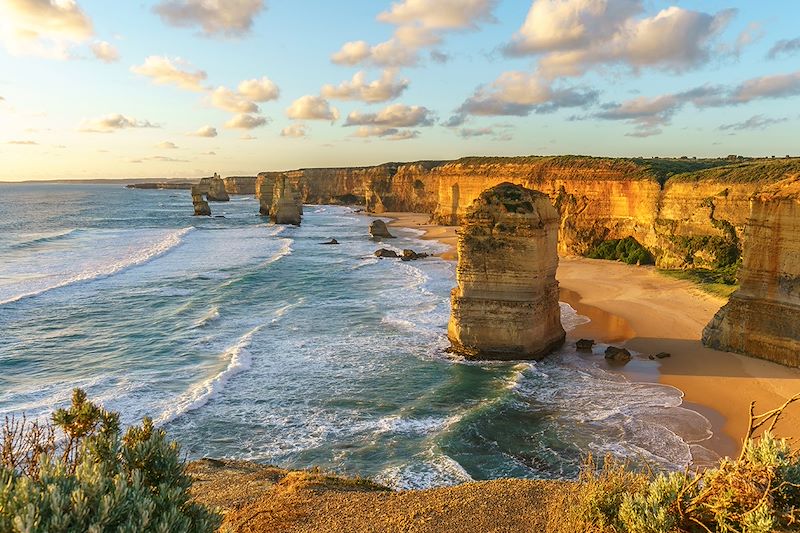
[[627, 250], [748, 171]]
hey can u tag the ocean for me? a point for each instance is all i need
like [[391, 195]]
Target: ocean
[[253, 341]]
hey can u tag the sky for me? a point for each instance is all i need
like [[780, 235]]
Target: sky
[[185, 88]]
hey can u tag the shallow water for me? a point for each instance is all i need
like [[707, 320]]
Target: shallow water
[[252, 341]]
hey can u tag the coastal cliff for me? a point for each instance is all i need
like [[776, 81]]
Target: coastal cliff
[[505, 305], [762, 318], [240, 184]]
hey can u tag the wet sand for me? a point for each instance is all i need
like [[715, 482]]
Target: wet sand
[[650, 313]]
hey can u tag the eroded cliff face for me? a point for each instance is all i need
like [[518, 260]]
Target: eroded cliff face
[[214, 189], [505, 305], [240, 184], [762, 318]]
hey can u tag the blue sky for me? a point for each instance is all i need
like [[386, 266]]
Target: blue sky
[[91, 88]]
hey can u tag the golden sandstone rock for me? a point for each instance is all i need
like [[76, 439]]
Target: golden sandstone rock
[[762, 318], [505, 305]]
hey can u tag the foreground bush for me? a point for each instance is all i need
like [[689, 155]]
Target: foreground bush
[[81, 475], [759, 492]]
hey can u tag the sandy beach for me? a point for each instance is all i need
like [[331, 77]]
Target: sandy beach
[[651, 313]]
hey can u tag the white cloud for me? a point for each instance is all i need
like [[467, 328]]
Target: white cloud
[[777, 86], [576, 35], [394, 116], [420, 24], [167, 145], [245, 121], [311, 107], [784, 46], [439, 14], [164, 71], [227, 100], [387, 87], [392, 134], [112, 123], [296, 131], [46, 28], [226, 17], [262, 90], [205, 131], [519, 94], [756, 122], [105, 51]]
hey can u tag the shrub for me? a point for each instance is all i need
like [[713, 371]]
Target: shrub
[[627, 250], [88, 478]]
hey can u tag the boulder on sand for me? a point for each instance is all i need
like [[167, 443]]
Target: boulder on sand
[[378, 230], [619, 355]]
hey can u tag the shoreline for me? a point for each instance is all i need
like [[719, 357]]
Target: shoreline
[[651, 313]]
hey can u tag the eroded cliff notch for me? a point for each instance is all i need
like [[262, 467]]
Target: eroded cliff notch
[[762, 318], [505, 304]]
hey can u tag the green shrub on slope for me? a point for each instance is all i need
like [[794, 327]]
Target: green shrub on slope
[[627, 250], [93, 480]]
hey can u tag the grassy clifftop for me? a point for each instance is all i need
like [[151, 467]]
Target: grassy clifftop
[[748, 171]]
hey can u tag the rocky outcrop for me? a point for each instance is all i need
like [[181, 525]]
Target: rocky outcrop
[[201, 207], [378, 230], [286, 206], [505, 304], [762, 318], [265, 188], [240, 184], [214, 189]]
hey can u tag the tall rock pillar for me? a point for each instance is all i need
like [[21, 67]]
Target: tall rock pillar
[[762, 318], [505, 304], [286, 207]]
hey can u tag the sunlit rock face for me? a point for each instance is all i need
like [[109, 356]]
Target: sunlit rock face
[[214, 188], [505, 304], [762, 318], [286, 205], [201, 207], [265, 187], [240, 184]]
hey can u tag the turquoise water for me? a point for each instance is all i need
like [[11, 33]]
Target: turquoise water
[[252, 341]]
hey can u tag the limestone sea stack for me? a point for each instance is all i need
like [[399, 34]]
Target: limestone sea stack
[[505, 304], [762, 318], [215, 189], [201, 207], [265, 188], [286, 207]]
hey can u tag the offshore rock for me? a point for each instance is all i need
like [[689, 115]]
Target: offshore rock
[[762, 318], [201, 207], [383, 252], [411, 255], [619, 355], [505, 305], [214, 189], [378, 230], [584, 345], [286, 207]]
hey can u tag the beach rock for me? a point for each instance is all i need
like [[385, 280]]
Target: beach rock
[[383, 252], [411, 255], [619, 355], [214, 188], [584, 345], [505, 304], [332, 241], [378, 230], [663, 355], [286, 207], [201, 207], [762, 318]]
